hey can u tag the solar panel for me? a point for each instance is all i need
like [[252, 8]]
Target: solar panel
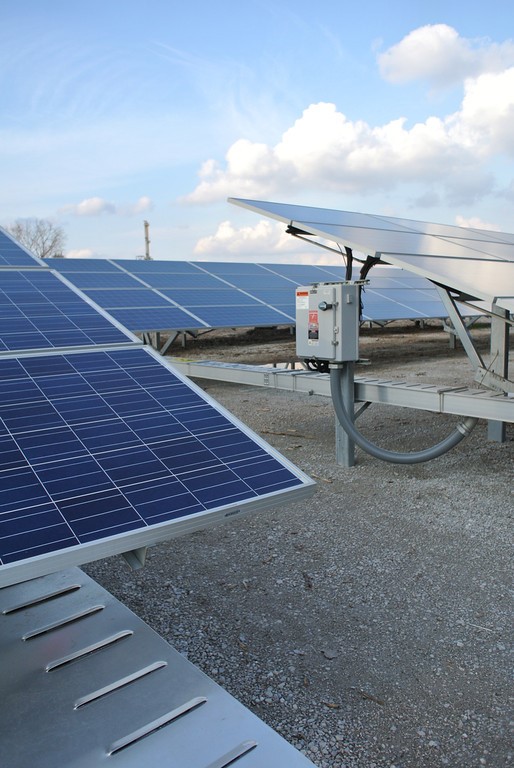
[[127, 298], [39, 311], [108, 451], [13, 254], [478, 264], [234, 317], [83, 265], [94, 280], [159, 318], [212, 295]]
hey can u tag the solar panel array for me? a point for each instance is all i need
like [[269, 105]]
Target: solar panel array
[[12, 254], [38, 311], [477, 263], [104, 447], [182, 296]]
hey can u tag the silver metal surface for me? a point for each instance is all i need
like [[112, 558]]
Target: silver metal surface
[[85, 683], [473, 263], [460, 401]]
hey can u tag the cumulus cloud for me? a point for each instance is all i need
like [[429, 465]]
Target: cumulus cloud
[[97, 206], [325, 150], [264, 236], [474, 222], [91, 206], [81, 253], [436, 53], [142, 205]]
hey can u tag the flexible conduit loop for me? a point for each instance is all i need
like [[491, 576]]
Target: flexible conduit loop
[[396, 457]]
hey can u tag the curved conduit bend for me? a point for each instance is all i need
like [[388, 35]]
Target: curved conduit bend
[[461, 431]]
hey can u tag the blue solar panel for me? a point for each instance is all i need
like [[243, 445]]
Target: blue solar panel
[[12, 254], [233, 317], [82, 265], [198, 279], [209, 294], [93, 280], [96, 445], [127, 298], [38, 311], [169, 266], [140, 319], [189, 298], [227, 268]]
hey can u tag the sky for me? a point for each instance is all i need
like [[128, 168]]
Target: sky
[[113, 113]]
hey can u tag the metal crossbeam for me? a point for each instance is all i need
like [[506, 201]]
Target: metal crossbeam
[[460, 401]]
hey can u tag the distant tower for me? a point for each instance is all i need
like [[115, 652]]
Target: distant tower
[[147, 241]]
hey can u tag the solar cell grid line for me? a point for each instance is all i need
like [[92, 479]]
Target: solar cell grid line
[[40, 310], [107, 451], [83, 265], [212, 297], [13, 253], [141, 268]]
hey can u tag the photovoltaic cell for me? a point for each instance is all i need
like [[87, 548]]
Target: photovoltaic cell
[[38, 311], [160, 318], [99, 444], [211, 295], [12, 254]]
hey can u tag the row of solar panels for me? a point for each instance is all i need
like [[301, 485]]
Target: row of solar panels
[[104, 447], [182, 295]]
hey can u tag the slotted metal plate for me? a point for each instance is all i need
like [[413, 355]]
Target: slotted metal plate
[[85, 683]]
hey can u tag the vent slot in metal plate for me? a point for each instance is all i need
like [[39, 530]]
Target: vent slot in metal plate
[[140, 701]]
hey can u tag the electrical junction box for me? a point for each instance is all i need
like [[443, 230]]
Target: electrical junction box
[[327, 321]]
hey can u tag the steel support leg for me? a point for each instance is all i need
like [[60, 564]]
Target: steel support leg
[[345, 446], [499, 364]]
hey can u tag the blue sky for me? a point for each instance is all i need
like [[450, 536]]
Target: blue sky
[[116, 112]]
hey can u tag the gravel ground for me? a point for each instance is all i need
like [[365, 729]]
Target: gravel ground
[[369, 625]]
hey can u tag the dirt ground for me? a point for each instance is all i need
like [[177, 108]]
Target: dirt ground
[[371, 624]]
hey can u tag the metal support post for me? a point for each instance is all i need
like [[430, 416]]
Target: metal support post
[[345, 446], [499, 364]]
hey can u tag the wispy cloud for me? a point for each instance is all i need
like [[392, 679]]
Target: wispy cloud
[[97, 206]]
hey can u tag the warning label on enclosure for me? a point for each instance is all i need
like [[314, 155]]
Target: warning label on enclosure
[[313, 327]]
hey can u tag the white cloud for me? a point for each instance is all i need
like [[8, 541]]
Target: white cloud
[[142, 205], [474, 222], [81, 253], [438, 54], [266, 240], [97, 206], [92, 206], [265, 236], [325, 152]]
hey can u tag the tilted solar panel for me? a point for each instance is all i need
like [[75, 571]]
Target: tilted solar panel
[[108, 451], [158, 318], [210, 294], [12, 254], [477, 264], [39, 311]]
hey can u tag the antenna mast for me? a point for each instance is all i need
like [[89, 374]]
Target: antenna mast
[[147, 241]]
